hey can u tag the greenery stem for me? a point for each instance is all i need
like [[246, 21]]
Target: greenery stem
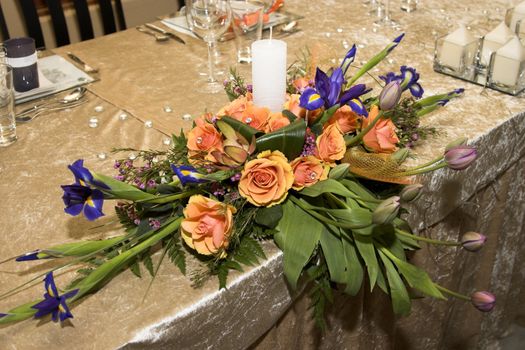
[[169, 198], [422, 170], [427, 240], [454, 294], [356, 139], [427, 164]]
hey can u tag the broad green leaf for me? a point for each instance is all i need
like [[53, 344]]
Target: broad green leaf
[[122, 190], [327, 186], [244, 129], [392, 243], [358, 218], [135, 268], [398, 292], [298, 235], [289, 140], [269, 217], [334, 254], [366, 249], [339, 172], [358, 189], [354, 269], [288, 114], [415, 277], [78, 248], [148, 264]]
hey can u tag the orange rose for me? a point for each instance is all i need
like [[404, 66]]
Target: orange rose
[[308, 171], [256, 117], [276, 121], [265, 181], [292, 104], [382, 138], [237, 107], [301, 84], [345, 118], [207, 225], [331, 144], [203, 137]]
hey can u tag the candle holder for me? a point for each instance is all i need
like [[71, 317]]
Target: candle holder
[[504, 71]]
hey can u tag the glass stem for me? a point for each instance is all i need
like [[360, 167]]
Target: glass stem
[[211, 64]]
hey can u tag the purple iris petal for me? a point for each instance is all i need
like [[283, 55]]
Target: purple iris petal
[[187, 174], [358, 107], [336, 81], [77, 198], [83, 176], [53, 303], [2, 315], [322, 84], [408, 79], [349, 58], [29, 256], [354, 92], [416, 90], [310, 99], [395, 42]]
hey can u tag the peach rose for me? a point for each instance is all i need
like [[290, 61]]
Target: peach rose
[[237, 107], [265, 181], [292, 104], [382, 138], [276, 121], [207, 225], [331, 144], [256, 117], [203, 137], [301, 84], [308, 171], [345, 118]]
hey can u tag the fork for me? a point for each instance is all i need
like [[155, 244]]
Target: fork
[[24, 118]]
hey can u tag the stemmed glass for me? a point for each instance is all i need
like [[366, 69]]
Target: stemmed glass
[[209, 19]]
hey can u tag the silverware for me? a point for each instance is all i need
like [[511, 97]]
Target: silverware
[[85, 67], [71, 96], [33, 115], [165, 32], [158, 37]]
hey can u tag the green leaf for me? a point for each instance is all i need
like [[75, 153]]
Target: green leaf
[[291, 117], [78, 248], [298, 235], [354, 269], [326, 186], [135, 268], [358, 189], [148, 263], [269, 217], [357, 218], [289, 140], [334, 254], [177, 254], [415, 277], [398, 292], [244, 129], [366, 249], [222, 275], [327, 114], [122, 190]]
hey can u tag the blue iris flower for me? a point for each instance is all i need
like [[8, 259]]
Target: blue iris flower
[[408, 79], [78, 198], [31, 256], [54, 303], [187, 174], [83, 176]]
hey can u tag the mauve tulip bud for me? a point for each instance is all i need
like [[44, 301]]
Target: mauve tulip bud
[[410, 192], [390, 96], [460, 157], [483, 301], [457, 142], [473, 241], [386, 211]]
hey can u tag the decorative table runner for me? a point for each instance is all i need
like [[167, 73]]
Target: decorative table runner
[[140, 77]]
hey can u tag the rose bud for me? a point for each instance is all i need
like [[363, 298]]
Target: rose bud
[[473, 241], [460, 157], [390, 96], [386, 211], [410, 192], [457, 142], [483, 301]]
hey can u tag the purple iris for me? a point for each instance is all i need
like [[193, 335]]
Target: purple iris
[[78, 198], [83, 176], [408, 79], [54, 303], [187, 174], [32, 256]]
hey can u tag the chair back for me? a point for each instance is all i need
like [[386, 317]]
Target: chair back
[[58, 19], [4, 32]]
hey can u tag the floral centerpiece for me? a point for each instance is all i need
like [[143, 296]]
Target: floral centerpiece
[[324, 179]]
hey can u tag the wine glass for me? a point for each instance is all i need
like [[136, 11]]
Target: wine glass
[[209, 19]]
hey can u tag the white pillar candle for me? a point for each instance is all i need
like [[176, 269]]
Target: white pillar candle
[[517, 14], [458, 47], [495, 39], [507, 63], [269, 73]]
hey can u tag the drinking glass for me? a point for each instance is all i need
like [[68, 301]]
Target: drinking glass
[[247, 24], [383, 14], [7, 106], [209, 19]]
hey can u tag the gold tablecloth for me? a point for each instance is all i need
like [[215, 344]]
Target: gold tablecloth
[[140, 77]]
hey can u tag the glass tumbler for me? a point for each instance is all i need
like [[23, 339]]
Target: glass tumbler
[[7, 106]]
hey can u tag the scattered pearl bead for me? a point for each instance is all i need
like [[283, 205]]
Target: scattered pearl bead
[[93, 122], [132, 156], [186, 116], [148, 124], [123, 116], [166, 141], [99, 109], [168, 109], [339, 30], [102, 156]]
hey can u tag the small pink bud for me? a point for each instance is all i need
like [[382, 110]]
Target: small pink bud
[[473, 241], [483, 301], [390, 95], [460, 157]]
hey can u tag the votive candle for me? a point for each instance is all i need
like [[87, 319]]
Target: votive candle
[[269, 73]]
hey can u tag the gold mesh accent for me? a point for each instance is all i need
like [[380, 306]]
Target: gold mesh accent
[[376, 166]]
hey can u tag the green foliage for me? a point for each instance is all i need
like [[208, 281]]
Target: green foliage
[[407, 121], [289, 139], [176, 253], [244, 129], [269, 217], [320, 293], [398, 292]]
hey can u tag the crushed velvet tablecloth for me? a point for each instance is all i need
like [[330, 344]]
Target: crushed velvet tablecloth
[[139, 77]]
